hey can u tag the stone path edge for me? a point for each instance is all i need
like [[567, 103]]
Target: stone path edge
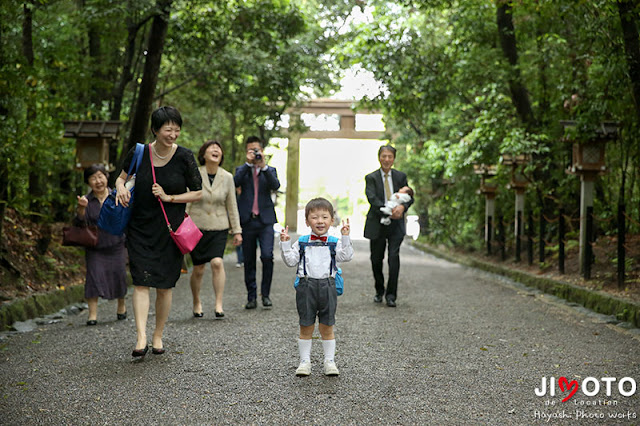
[[38, 305], [42, 304], [594, 300]]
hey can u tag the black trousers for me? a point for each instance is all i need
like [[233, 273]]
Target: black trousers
[[378, 246], [255, 232]]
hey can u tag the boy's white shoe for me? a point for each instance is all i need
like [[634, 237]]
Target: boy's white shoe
[[304, 369], [330, 368]]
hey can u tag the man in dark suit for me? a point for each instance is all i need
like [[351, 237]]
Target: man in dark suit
[[257, 216], [380, 185]]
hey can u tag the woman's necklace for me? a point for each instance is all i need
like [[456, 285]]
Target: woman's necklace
[[155, 151]]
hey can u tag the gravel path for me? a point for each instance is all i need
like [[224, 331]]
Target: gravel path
[[462, 347]]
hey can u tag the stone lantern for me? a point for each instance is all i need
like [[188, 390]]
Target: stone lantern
[[588, 161], [489, 190], [92, 141], [587, 157], [518, 183]]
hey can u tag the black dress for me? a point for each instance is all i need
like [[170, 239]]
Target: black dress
[[154, 259]]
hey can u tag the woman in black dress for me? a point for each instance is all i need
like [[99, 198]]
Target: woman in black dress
[[154, 259], [106, 262]]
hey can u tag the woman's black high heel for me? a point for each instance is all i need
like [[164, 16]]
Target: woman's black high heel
[[140, 352], [219, 314]]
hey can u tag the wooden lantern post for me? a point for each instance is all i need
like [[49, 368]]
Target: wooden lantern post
[[519, 184], [588, 162], [92, 141], [293, 174], [489, 191]]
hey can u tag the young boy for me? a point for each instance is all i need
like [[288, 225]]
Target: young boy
[[404, 195], [316, 291]]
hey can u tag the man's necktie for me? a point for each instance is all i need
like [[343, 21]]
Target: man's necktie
[[387, 189], [255, 210], [316, 238]]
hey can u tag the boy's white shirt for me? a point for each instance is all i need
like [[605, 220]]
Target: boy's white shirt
[[318, 258]]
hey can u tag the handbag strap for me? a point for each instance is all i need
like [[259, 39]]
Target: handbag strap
[[137, 159], [153, 173]]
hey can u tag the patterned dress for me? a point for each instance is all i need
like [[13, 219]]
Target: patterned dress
[[106, 262]]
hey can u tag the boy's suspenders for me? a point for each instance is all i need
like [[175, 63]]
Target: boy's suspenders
[[331, 242], [303, 242]]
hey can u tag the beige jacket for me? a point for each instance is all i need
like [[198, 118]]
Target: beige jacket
[[218, 208]]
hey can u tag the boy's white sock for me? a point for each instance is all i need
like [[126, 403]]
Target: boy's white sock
[[329, 348], [304, 347]]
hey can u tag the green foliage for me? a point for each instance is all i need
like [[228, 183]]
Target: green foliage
[[234, 67], [246, 63], [628, 264], [231, 67], [448, 101]]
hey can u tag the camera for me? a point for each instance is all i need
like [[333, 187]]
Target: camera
[[257, 154]]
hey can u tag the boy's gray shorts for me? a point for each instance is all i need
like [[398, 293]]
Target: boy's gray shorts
[[316, 297]]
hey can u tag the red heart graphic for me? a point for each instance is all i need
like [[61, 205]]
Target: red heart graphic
[[562, 382]]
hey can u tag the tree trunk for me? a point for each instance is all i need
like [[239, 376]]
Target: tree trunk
[[60, 205], [127, 68], [118, 96], [36, 184], [232, 138], [263, 135], [4, 186], [631, 47], [157, 37], [127, 73], [27, 51], [507, 36], [4, 166], [125, 78], [27, 33], [545, 103], [96, 93]]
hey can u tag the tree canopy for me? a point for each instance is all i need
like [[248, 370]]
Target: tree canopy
[[468, 81], [464, 82], [231, 67]]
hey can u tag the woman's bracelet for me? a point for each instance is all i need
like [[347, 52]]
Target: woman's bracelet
[[172, 199]]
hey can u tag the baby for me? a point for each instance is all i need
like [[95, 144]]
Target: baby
[[404, 195]]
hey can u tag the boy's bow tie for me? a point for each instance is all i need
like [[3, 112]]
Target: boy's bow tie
[[316, 238]]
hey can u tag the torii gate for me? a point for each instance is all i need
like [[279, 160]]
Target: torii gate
[[344, 109]]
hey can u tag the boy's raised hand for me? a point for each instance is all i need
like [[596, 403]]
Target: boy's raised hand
[[345, 228], [284, 234]]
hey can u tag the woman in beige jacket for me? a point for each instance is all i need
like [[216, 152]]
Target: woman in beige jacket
[[215, 214]]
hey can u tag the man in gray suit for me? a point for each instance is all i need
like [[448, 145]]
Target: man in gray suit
[[380, 185]]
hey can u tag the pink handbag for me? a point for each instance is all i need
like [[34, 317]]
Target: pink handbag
[[187, 235]]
